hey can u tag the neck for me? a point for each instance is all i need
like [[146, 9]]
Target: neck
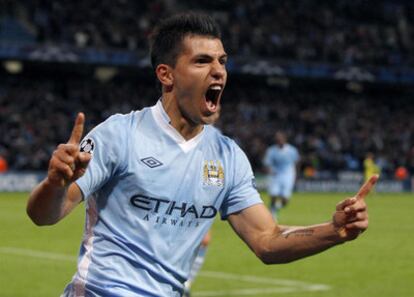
[[184, 126]]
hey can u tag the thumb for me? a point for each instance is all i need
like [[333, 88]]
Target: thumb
[[81, 165], [84, 159], [344, 203]]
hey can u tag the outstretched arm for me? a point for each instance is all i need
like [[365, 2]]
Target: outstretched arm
[[57, 195], [273, 243]]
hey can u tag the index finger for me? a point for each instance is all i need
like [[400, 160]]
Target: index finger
[[77, 131], [367, 187]]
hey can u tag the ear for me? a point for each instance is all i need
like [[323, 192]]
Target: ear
[[164, 75]]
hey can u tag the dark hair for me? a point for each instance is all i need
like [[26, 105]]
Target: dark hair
[[166, 40]]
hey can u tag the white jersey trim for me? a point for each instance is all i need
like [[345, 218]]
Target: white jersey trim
[[163, 121], [83, 267]]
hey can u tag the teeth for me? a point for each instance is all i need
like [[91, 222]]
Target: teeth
[[218, 88]]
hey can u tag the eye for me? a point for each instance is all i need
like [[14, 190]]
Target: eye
[[202, 61], [223, 61]]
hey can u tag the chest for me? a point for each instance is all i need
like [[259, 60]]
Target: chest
[[167, 179]]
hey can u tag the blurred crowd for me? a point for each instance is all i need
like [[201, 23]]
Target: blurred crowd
[[332, 129], [348, 32]]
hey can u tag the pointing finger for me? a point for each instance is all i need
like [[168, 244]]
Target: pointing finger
[[367, 187], [77, 130]]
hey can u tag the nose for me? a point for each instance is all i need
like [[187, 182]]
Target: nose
[[218, 70]]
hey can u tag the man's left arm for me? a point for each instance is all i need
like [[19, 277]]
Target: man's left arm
[[273, 243]]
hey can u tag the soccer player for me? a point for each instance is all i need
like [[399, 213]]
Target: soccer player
[[370, 166], [280, 161], [153, 180]]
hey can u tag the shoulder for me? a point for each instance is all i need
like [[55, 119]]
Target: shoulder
[[110, 140], [124, 120], [114, 131], [227, 148], [120, 124], [217, 138]]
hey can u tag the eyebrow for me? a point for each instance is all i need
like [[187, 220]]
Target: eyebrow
[[225, 56], [207, 56]]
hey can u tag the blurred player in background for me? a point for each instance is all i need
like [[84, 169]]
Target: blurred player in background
[[280, 161], [370, 166], [153, 181]]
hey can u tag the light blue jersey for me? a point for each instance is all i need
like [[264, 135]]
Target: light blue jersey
[[281, 161], [150, 197]]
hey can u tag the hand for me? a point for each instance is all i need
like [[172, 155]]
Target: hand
[[68, 163], [351, 216]]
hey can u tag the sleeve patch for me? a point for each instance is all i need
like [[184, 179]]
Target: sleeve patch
[[87, 145]]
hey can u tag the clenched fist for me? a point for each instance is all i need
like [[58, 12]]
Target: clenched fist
[[351, 216]]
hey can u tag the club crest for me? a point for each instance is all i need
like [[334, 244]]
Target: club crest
[[213, 173]]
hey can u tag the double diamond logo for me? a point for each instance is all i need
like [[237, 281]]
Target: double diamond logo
[[151, 162]]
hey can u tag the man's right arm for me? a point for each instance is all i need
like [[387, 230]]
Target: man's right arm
[[57, 194], [49, 204]]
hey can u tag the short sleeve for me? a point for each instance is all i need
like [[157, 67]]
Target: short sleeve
[[243, 192], [107, 144]]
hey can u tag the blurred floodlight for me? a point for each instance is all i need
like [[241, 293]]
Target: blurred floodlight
[[13, 67], [104, 74]]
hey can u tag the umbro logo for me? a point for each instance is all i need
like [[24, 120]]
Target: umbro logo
[[151, 162]]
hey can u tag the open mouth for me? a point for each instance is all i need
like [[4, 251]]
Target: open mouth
[[213, 96]]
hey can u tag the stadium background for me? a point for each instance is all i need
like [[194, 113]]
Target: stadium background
[[338, 76]]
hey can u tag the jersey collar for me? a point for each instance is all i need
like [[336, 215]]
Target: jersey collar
[[163, 121]]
